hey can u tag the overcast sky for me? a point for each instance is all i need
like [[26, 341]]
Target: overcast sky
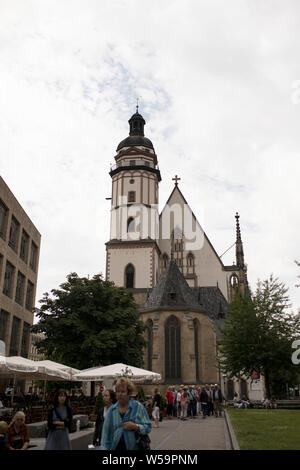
[[219, 83]]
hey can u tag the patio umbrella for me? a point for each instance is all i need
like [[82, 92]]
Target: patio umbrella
[[114, 371], [18, 367]]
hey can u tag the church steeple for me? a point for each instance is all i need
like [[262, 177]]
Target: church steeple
[[136, 123], [239, 245]]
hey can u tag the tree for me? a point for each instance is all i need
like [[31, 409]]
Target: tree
[[90, 322], [258, 335]]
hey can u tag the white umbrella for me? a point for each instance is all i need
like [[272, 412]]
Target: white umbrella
[[114, 371], [57, 367], [22, 368]]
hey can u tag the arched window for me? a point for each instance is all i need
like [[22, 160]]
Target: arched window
[[196, 347], [165, 260], [172, 350], [130, 225], [149, 334], [234, 281], [243, 387], [129, 276], [190, 260]]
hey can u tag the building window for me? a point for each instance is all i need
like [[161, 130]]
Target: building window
[[230, 390], [190, 260], [132, 162], [149, 325], [20, 288], [14, 233], [3, 219], [8, 279], [25, 340], [14, 339], [172, 351], [196, 347], [33, 256], [131, 196], [129, 276], [3, 324], [130, 225], [24, 246], [165, 261], [131, 181], [29, 296], [147, 163]]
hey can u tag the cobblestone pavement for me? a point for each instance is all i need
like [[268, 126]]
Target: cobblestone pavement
[[194, 434]]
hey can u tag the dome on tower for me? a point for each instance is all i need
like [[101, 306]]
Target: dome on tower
[[136, 133]]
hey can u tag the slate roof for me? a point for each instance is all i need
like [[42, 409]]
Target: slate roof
[[172, 290]]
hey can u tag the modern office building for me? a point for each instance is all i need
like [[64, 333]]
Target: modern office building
[[19, 260]]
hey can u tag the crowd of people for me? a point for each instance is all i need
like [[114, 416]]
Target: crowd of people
[[187, 402]]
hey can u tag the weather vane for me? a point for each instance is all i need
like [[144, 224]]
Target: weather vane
[[137, 103]]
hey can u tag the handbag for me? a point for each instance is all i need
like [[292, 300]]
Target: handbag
[[142, 440]]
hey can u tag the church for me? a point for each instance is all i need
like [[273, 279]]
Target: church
[[178, 280]]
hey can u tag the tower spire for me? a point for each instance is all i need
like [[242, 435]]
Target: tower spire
[[239, 244]]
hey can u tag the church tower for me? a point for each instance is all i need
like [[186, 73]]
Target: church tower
[[132, 259]]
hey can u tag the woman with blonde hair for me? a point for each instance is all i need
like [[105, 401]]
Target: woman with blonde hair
[[124, 419], [17, 433]]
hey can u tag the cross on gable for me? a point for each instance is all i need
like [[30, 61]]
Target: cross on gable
[[176, 179]]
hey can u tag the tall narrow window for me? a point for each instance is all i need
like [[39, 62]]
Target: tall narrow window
[[149, 325], [20, 288], [130, 225], [3, 219], [165, 260], [14, 233], [172, 351], [14, 339], [230, 390], [33, 256], [3, 324], [131, 196], [25, 340], [29, 296], [129, 276], [24, 246], [8, 279], [196, 347]]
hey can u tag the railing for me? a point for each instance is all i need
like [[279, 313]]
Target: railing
[[138, 163]]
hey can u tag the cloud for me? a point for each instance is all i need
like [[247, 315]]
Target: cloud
[[216, 88]]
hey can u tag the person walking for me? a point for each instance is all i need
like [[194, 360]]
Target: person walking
[[124, 419], [59, 423], [184, 403], [198, 390], [169, 399], [156, 407], [209, 400], [217, 401], [109, 398], [204, 399], [17, 433], [178, 403]]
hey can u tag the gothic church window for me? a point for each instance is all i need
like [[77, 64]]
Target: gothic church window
[[149, 326], [172, 350], [129, 276], [130, 225], [196, 347]]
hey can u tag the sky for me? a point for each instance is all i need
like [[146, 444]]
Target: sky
[[219, 87]]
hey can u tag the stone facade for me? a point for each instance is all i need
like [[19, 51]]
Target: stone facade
[[19, 260]]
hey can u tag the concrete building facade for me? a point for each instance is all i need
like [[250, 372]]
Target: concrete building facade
[[19, 260]]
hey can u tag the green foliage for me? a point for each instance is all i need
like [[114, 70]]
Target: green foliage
[[99, 403], [141, 395], [163, 403], [88, 322], [258, 334]]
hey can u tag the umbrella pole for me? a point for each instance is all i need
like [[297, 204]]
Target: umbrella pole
[[44, 392]]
